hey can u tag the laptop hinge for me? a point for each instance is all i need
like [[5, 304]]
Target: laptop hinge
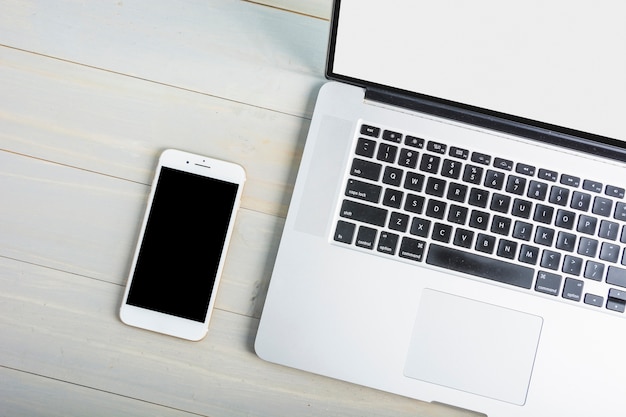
[[580, 141]]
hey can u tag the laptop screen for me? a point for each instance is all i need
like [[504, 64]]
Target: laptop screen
[[561, 63]]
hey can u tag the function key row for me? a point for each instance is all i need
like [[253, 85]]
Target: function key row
[[482, 159]]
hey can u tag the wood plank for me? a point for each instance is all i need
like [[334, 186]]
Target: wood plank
[[25, 394], [117, 125], [232, 49], [62, 326], [316, 8], [87, 224]]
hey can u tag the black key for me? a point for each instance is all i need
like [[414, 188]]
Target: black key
[[436, 209], [608, 230], [412, 249], [548, 283], [479, 220], [408, 158], [457, 192], [543, 214], [370, 131], [521, 208], [494, 179], [387, 243], [459, 152], [414, 142], [525, 169], [609, 252], [537, 190], [572, 265], [387, 153], [363, 213], [366, 169], [503, 164], [344, 232], [414, 203], [430, 164], [365, 147], [580, 201], [558, 195], [485, 243], [615, 305], [420, 227], [399, 222], [393, 176], [522, 230], [528, 254], [463, 238], [501, 225], [620, 211], [442, 232], [435, 186], [594, 270], [614, 191], [506, 249], [573, 289], [363, 191], [602, 206], [550, 259], [565, 219], [593, 186], [546, 174], [588, 247], [616, 294], [478, 197], [392, 136], [457, 214], [472, 174], [366, 237], [481, 158], [515, 185], [414, 182], [544, 236], [392, 198], [616, 276], [570, 180], [480, 266], [587, 224], [500, 203], [566, 241], [436, 147], [594, 300], [451, 169]]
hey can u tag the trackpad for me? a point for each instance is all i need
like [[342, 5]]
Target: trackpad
[[473, 346]]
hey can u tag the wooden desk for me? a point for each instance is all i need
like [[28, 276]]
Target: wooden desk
[[90, 93]]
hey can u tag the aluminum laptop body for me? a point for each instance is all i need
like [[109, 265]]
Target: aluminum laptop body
[[447, 104]]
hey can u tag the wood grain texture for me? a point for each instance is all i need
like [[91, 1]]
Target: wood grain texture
[[316, 8], [237, 50], [90, 94]]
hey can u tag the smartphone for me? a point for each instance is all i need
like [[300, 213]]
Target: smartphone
[[183, 241]]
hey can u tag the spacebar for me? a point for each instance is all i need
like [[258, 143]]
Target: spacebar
[[480, 266]]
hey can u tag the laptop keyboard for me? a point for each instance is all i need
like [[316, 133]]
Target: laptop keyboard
[[508, 221]]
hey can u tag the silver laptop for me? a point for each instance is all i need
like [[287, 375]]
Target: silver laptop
[[457, 228]]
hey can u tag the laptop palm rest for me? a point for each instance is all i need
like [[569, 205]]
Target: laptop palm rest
[[474, 347]]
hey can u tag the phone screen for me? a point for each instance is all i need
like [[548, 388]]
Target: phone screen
[[182, 244]]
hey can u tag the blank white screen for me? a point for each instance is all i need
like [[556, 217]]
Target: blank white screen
[[559, 62]]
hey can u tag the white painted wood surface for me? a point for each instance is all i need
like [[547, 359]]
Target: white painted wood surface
[[90, 93]]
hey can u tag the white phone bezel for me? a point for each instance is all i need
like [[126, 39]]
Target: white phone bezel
[[166, 323]]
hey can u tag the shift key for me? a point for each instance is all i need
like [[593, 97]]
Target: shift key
[[616, 276], [363, 213]]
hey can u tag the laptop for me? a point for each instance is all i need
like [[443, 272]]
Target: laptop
[[457, 231]]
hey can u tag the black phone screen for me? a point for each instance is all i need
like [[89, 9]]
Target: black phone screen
[[182, 244]]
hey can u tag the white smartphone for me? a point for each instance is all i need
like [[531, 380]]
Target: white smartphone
[[182, 245]]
